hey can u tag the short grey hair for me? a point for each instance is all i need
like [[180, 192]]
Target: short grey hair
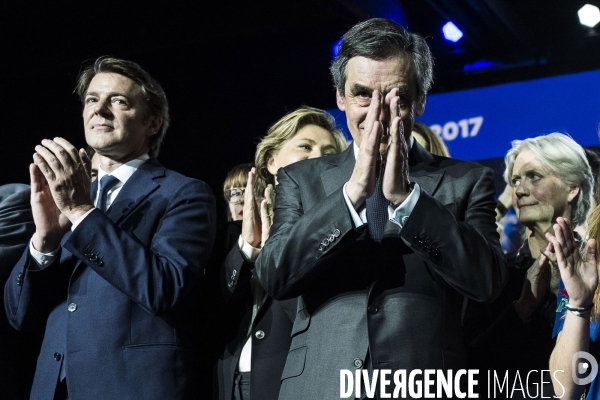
[[380, 39], [153, 93], [565, 158]]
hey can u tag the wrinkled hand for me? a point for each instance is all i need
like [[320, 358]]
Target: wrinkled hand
[[395, 185], [251, 223], [579, 276], [266, 213], [67, 173], [60, 189]]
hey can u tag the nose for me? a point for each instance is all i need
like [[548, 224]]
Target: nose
[[384, 114], [101, 107], [520, 190], [316, 152]]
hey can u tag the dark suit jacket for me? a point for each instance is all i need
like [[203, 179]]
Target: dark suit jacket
[[118, 303], [270, 333], [400, 299], [16, 228]]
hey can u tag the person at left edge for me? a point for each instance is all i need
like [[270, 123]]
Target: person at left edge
[[115, 288]]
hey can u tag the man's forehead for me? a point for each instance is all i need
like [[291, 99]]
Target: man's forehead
[[112, 81], [383, 75]]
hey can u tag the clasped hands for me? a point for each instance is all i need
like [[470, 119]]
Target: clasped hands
[[257, 219], [395, 184], [60, 190]]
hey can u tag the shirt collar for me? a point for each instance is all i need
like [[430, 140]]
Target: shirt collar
[[356, 148], [124, 172]]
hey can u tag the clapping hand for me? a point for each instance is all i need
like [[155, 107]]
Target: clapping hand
[[60, 190], [579, 276]]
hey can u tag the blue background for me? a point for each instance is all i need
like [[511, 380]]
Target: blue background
[[567, 103]]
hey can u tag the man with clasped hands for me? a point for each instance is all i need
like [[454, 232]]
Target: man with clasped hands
[[112, 267], [385, 241]]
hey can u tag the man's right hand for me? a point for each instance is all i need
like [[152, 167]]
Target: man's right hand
[[50, 223], [362, 182]]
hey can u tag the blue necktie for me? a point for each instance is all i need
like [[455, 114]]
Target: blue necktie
[[377, 211], [106, 184]]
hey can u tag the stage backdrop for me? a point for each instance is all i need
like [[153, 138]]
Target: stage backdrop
[[479, 124]]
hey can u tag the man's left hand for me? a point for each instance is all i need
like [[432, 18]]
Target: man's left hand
[[67, 172], [395, 183]]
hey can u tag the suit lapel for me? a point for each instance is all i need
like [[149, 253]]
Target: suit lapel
[[424, 169], [137, 187], [343, 164]]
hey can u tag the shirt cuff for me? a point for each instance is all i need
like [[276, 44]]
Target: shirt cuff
[[358, 219], [76, 223], [249, 252], [400, 215], [42, 259]]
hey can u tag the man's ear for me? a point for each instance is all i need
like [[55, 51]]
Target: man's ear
[[339, 98], [154, 124], [272, 166], [420, 108], [573, 192]]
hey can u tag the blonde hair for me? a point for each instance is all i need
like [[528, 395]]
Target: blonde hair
[[434, 142], [593, 232], [238, 178], [282, 131]]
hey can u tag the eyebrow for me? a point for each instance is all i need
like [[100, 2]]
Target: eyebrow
[[111, 94], [358, 88]]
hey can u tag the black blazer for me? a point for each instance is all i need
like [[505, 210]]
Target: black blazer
[[270, 332], [401, 299]]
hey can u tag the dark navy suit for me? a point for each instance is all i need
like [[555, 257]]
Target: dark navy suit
[[119, 300]]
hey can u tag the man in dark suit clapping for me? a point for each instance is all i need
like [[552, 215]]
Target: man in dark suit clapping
[[384, 241]]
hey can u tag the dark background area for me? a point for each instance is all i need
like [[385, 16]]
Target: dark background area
[[232, 68]]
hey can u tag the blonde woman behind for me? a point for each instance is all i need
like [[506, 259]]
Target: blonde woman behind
[[252, 364]]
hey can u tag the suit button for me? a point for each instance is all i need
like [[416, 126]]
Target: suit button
[[336, 233], [259, 335], [230, 284], [321, 247], [358, 363], [93, 257], [325, 242], [372, 310], [72, 307], [20, 279], [331, 237], [234, 272], [57, 356]]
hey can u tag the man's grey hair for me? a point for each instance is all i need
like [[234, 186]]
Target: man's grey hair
[[565, 158], [380, 39], [154, 96]]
